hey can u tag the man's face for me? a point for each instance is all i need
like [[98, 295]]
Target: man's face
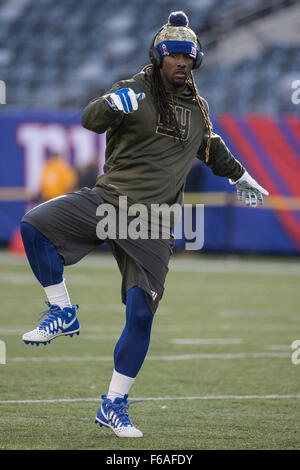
[[175, 70]]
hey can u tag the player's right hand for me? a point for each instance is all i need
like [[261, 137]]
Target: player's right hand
[[124, 100]]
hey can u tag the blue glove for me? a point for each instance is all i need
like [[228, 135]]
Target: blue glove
[[247, 187], [124, 100]]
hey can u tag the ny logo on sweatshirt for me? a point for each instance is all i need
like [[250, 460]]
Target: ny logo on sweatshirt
[[183, 116]]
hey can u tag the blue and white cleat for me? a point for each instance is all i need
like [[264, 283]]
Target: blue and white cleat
[[114, 415], [58, 322]]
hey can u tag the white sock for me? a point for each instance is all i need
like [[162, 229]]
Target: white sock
[[58, 295], [119, 385]]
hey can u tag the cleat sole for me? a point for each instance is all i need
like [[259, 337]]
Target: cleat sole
[[48, 341]]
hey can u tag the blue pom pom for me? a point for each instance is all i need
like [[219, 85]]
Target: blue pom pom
[[178, 18]]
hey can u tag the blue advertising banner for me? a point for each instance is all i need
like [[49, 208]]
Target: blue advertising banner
[[28, 139]]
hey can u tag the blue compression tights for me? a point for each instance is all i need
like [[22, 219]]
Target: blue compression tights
[[42, 256], [132, 346]]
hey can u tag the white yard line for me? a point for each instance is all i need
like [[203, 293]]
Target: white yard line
[[182, 357], [279, 347], [167, 398], [204, 264], [158, 328], [186, 264], [74, 279], [101, 337], [204, 341]]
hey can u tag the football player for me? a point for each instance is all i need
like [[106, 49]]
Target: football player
[[156, 123]]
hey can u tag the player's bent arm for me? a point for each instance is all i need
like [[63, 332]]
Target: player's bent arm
[[98, 116], [109, 109], [221, 161]]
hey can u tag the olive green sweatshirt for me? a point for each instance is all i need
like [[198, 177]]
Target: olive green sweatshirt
[[143, 160]]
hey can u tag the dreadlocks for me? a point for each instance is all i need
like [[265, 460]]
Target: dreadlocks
[[192, 84], [163, 108], [167, 113]]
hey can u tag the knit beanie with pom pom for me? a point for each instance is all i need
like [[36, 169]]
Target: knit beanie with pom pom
[[176, 36]]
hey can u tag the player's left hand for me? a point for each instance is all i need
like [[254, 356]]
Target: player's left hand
[[249, 189]]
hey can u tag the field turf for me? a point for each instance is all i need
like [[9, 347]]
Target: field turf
[[218, 374]]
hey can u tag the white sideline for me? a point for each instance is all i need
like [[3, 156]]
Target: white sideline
[[203, 397]]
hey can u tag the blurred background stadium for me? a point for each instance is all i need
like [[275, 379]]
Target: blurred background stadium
[[56, 56]]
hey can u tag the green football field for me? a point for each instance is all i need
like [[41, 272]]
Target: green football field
[[219, 372]]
